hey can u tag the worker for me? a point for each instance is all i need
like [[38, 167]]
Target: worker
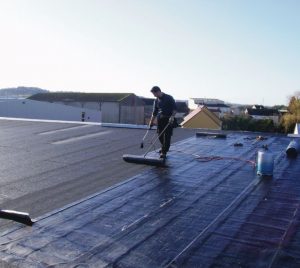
[[164, 109]]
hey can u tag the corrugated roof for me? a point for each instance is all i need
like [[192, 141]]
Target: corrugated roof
[[74, 96], [207, 207]]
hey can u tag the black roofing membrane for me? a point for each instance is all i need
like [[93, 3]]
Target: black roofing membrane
[[207, 208]]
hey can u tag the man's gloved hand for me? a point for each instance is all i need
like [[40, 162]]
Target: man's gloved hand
[[171, 119]]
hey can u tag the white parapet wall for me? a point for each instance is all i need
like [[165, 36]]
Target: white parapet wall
[[297, 129], [24, 108], [296, 133]]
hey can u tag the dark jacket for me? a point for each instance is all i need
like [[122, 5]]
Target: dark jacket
[[164, 106]]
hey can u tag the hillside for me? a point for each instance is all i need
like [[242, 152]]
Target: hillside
[[20, 92]]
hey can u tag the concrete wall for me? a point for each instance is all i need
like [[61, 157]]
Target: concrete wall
[[132, 114], [44, 110], [87, 105], [110, 112], [132, 110], [129, 111]]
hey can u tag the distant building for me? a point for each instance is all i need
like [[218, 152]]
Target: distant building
[[124, 108], [258, 106], [282, 112], [182, 110], [195, 102], [148, 109], [30, 109], [214, 105], [216, 111], [263, 113], [202, 117], [237, 110]]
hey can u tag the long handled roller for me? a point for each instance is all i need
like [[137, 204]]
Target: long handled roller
[[137, 159], [149, 127], [142, 143], [18, 216]]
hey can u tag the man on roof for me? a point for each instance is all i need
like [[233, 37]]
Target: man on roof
[[164, 109]]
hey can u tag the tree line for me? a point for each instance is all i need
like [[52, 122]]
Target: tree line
[[286, 124]]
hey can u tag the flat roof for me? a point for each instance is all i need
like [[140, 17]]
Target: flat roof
[[77, 96], [47, 165], [208, 207]]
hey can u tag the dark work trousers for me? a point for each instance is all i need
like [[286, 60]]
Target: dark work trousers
[[165, 138]]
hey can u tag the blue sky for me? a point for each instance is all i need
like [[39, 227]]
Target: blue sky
[[240, 51]]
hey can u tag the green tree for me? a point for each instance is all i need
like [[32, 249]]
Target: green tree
[[289, 120], [246, 123]]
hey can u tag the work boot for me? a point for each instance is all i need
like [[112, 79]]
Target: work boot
[[163, 156]]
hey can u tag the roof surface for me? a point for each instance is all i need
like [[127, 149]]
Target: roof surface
[[47, 165], [207, 208], [74, 96]]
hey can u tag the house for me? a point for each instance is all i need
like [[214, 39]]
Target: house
[[263, 113], [216, 106], [125, 108], [207, 207], [237, 109], [202, 117], [221, 109], [256, 106], [195, 102]]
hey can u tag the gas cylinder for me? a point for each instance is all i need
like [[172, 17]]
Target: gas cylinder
[[265, 163]]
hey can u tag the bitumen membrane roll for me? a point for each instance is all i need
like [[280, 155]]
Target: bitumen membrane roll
[[210, 134], [17, 216], [293, 149], [137, 159]]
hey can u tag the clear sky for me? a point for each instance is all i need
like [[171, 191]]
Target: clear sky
[[240, 51]]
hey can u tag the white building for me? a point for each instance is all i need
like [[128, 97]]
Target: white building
[[263, 113], [216, 106], [124, 108], [30, 109]]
